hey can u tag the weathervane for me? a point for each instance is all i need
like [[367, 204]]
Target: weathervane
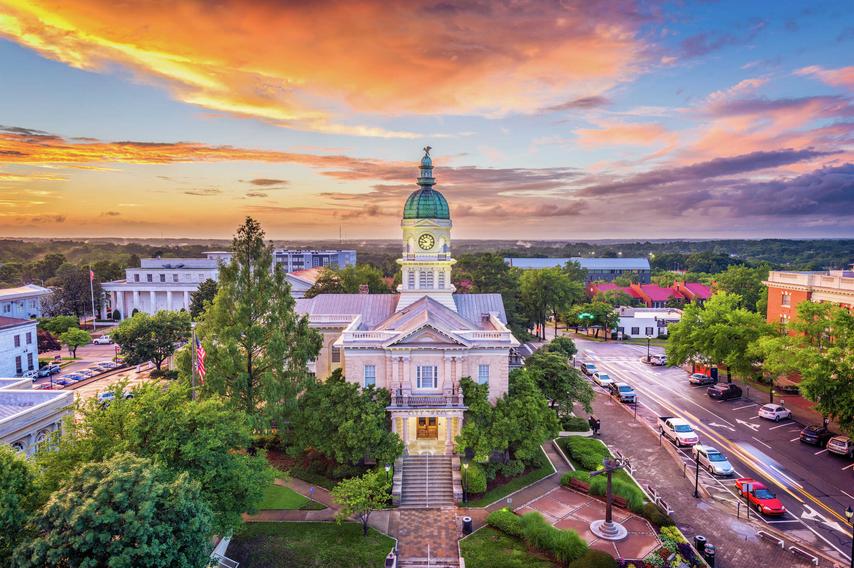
[[427, 149]]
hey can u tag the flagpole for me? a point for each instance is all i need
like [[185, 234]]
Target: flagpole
[[92, 294], [193, 351]]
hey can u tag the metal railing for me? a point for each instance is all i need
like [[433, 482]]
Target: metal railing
[[426, 400]]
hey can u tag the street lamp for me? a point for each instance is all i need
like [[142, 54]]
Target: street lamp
[[465, 482], [849, 513], [697, 475], [648, 340], [771, 394], [387, 469]]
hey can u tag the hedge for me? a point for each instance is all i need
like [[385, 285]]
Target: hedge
[[653, 514], [595, 559], [575, 424], [506, 521], [587, 452], [563, 546], [475, 479]]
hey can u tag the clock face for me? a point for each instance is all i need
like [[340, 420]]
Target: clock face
[[426, 241]]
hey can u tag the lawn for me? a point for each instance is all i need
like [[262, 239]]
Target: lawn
[[514, 484], [308, 545], [490, 548], [278, 497]]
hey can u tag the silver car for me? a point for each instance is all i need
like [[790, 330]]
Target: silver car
[[602, 379], [711, 459]]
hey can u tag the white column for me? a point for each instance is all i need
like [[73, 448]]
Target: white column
[[169, 300], [406, 431], [448, 427], [187, 300], [153, 300], [135, 300]]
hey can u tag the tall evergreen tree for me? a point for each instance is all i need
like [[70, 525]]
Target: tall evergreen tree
[[205, 294], [257, 347]]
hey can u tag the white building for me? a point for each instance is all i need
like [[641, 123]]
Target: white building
[[29, 417], [19, 348], [23, 302], [646, 322]]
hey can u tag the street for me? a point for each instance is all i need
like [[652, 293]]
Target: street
[[814, 485]]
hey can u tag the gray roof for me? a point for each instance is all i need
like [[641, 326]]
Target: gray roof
[[472, 306], [588, 263]]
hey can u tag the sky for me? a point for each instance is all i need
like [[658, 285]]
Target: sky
[[548, 120]]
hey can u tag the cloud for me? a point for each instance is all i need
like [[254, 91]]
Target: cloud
[[110, 214], [255, 194], [203, 191], [310, 66], [582, 103], [610, 133], [842, 77], [707, 42], [42, 219], [823, 106], [266, 182]]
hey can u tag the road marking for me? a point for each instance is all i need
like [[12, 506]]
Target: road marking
[[784, 521], [812, 515], [852, 496], [780, 426], [755, 417], [761, 442], [721, 426], [747, 406], [843, 469], [820, 452], [753, 427], [795, 439]]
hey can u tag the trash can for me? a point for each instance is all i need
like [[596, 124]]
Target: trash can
[[709, 554], [700, 543], [467, 526], [390, 560]]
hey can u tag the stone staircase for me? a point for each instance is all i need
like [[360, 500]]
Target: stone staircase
[[427, 482]]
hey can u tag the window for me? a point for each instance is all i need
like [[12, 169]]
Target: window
[[482, 374], [136, 277], [7, 308], [149, 277], [29, 338], [786, 299], [18, 368], [174, 278], [441, 279], [422, 279], [650, 330], [411, 279], [635, 331], [370, 375], [427, 376], [163, 278], [17, 341], [29, 361], [336, 354]]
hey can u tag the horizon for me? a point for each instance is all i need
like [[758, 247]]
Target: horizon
[[549, 123]]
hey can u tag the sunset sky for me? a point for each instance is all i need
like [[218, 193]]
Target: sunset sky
[[560, 120]]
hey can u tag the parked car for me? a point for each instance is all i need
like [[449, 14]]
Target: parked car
[[31, 374], [724, 391], [588, 369], [623, 392], [658, 360], [762, 499], [701, 379], [775, 412], [103, 340], [107, 396], [816, 435], [711, 459], [602, 379], [677, 431], [49, 370], [841, 445], [107, 365]]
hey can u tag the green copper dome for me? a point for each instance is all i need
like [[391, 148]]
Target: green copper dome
[[426, 203]]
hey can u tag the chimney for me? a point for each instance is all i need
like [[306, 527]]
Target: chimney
[[363, 289]]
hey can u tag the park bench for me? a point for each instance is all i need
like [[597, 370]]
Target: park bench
[[579, 485]]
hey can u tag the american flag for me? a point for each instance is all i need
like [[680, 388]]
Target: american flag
[[200, 359]]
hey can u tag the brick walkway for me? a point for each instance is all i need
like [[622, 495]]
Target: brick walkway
[[429, 533]]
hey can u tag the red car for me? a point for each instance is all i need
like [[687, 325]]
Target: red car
[[760, 496]]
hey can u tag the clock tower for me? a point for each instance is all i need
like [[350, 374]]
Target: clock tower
[[426, 261]]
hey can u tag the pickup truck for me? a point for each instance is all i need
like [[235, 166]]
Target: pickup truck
[[677, 431]]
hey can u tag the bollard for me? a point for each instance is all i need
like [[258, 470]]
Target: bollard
[[467, 525], [709, 554], [700, 543]]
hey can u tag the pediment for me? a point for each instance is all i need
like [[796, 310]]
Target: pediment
[[425, 336]]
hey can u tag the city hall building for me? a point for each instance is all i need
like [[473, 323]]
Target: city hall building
[[419, 343]]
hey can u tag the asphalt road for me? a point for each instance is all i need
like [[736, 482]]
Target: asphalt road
[[814, 485]]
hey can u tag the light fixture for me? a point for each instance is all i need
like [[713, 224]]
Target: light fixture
[[849, 513]]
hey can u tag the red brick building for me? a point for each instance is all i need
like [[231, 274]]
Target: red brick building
[[788, 289]]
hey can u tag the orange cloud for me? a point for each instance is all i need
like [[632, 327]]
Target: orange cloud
[[309, 65], [636, 134], [842, 77]]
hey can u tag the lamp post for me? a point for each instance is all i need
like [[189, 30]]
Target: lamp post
[[387, 469], [697, 475], [465, 482], [849, 514], [608, 529], [771, 394], [648, 340]]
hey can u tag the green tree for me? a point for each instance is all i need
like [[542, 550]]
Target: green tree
[[599, 315], [345, 422], [623, 280], [563, 345], [74, 338], [347, 281], [107, 270], [47, 341], [548, 292], [151, 338], [487, 273], [204, 439], [18, 499], [745, 281], [615, 298], [361, 496], [257, 347], [559, 382], [202, 297], [73, 295], [822, 351], [575, 272], [720, 332], [45, 268], [125, 511], [58, 325]]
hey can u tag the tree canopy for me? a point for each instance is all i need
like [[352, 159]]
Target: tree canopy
[[202, 297], [151, 338], [561, 344], [347, 280], [257, 347], [18, 498], [345, 422], [487, 273], [360, 496], [599, 315], [125, 511], [562, 384], [59, 324], [74, 338], [548, 291], [745, 281]]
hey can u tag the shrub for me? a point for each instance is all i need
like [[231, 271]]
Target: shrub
[[575, 424], [567, 546], [672, 534], [570, 475], [588, 452], [512, 468], [506, 521], [564, 546], [475, 479], [594, 559], [653, 514], [168, 374]]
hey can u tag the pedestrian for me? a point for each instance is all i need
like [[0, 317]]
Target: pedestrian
[[598, 427], [594, 424]]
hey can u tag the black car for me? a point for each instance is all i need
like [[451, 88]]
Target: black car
[[724, 392], [816, 435]]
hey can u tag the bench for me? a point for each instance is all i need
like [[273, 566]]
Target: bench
[[620, 502], [579, 485], [771, 538], [805, 555]]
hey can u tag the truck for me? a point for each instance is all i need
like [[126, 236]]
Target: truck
[[677, 430]]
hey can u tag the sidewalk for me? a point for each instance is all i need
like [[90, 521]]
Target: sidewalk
[[736, 540]]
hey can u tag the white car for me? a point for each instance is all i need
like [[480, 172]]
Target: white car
[[602, 379], [677, 431], [103, 340], [712, 460], [33, 374], [775, 412]]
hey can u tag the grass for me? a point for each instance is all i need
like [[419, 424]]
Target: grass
[[279, 497], [313, 478], [308, 545], [514, 484], [491, 548], [655, 342]]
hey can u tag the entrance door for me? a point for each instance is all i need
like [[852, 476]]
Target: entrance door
[[428, 427]]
